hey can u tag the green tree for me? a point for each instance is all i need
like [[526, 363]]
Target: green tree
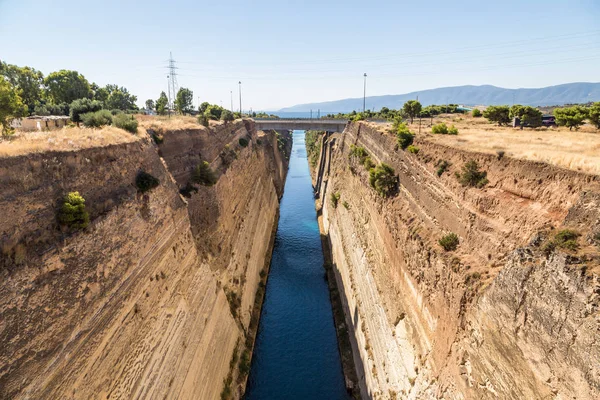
[[150, 104], [476, 113], [83, 106], [119, 98], [183, 101], [472, 176], [226, 116], [516, 111], [99, 93], [412, 108], [571, 117], [25, 79], [498, 114], [11, 105], [161, 103], [66, 86], [594, 115], [203, 107], [531, 117]]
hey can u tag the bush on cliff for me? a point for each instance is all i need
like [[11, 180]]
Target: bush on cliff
[[203, 120], [204, 175], [127, 122], [565, 239], [243, 142], [226, 116], [72, 213], [472, 176], [404, 135], [449, 242], [442, 166], [145, 182], [383, 179], [412, 149], [335, 198]]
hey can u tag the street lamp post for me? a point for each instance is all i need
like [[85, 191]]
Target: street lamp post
[[365, 94], [240, 88]]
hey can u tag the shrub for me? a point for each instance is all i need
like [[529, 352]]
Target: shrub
[[442, 167], [471, 176], [567, 239], [335, 198], [243, 142], [124, 121], [476, 113], [187, 190], [564, 239], [204, 175], [346, 205], [452, 130], [449, 242], [145, 182], [596, 238], [440, 128], [383, 179], [203, 120], [405, 139], [412, 149], [157, 137], [226, 116], [368, 163], [80, 107], [363, 157], [96, 119], [500, 154], [72, 212]]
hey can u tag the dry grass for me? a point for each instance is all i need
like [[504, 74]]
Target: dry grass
[[65, 139], [164, 123], [579, 151]]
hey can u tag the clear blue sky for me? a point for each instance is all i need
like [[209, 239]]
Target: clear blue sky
[[289, 52]]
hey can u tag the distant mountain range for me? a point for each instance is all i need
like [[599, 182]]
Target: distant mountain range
[[577, 92]]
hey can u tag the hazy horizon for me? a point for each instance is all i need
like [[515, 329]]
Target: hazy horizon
[[287, 55]]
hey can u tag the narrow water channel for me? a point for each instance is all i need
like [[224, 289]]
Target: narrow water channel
[[296, 354]]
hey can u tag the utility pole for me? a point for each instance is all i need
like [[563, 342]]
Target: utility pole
[[231, 95], [169, 96], [240, 90], [173, 88], [365, 94]]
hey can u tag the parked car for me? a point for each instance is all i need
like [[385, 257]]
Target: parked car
[[548, 120]]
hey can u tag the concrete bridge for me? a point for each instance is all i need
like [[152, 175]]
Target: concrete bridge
[[301, 124]]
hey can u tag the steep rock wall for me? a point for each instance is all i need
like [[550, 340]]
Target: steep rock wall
[[133, 306], [497, 318]]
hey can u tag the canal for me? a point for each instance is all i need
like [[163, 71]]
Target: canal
[[296, 354]]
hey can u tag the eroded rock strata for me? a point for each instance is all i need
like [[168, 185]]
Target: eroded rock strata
[[154, 299], [505, 315]]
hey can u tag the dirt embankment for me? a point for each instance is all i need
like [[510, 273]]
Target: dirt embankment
[[139, 303], [502, 316]]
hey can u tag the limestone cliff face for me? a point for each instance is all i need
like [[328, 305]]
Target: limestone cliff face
[[498, 317], [134, 306]]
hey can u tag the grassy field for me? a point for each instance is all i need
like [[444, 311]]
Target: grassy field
[[576, 150]]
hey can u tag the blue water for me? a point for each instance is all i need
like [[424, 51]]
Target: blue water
[[296, 354]]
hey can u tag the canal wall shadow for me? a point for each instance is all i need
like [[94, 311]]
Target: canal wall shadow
[[353, 367]]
